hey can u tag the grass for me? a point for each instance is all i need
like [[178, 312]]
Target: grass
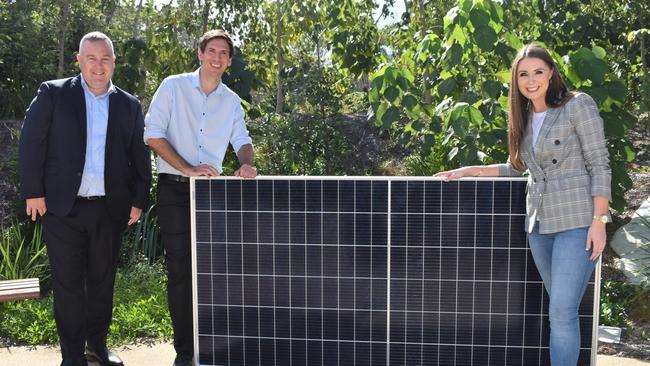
[[139, 311]]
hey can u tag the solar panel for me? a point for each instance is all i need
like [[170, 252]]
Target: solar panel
[[325, 271]]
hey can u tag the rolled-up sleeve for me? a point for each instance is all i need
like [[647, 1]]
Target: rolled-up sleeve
[[239, 136], [590, 130], [159, 114]]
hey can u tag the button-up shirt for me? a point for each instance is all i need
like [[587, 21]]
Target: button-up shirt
[[198, 126], [92, 179]]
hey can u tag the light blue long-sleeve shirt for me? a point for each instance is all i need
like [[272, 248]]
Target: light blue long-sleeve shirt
[[198, 126], [92, 179]]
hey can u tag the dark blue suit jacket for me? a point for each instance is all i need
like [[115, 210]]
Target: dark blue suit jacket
[[53, 149]]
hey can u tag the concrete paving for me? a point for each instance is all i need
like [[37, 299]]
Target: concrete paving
[[162, 354]]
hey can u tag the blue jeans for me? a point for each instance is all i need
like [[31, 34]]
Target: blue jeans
[[565, 268]]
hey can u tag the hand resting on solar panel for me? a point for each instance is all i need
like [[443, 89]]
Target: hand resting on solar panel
[[557, 137], [192, 119]]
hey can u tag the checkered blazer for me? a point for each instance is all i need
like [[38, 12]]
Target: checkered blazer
[[568, 165]]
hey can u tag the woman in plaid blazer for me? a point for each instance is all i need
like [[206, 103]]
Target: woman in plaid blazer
[[558, 137]]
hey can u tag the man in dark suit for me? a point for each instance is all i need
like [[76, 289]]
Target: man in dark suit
[[85, 170]]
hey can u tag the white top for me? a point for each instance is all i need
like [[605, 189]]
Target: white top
[[198, 126], [538, 120]]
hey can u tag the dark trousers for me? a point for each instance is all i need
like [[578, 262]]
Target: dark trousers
[[83, 249], [174, 219]]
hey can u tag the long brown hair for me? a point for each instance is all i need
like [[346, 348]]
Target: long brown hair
[[556, 95]]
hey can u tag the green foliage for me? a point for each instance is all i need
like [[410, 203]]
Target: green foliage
[[23, 253], [460, 110], [140, 304], [142, 240], [139, 311], [299, 145], [615, 300], [30, 322]]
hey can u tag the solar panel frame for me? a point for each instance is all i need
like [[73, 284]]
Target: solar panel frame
[[261, 180]]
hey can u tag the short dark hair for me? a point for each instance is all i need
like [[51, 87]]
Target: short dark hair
[[216, 33]]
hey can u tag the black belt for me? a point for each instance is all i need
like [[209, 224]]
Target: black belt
[[174, 178], [90, 198]]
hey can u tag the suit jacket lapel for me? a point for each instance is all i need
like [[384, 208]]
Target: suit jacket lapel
[[80, 106], [112, 124]]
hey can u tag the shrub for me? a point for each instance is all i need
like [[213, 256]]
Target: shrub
[[23, 253]]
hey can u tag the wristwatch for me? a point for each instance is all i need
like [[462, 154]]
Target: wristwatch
[[602, 218]]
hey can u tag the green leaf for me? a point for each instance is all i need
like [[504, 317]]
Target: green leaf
[[402, 82], [513, 40], [475, 116], [617, 122], [504, 76], [599, 93], [391, 93], [599, 52], [485, 37], [446, 87], [479, 17], [453, 55], [409, 102], [588, 66], [457, 36], [617, 90], [450, 17], [391, 115], [492, 88]]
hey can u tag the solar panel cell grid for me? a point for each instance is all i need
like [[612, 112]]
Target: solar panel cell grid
[[368, 271]]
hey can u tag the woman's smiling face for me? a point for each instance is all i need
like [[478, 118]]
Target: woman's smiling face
[[533, 78]]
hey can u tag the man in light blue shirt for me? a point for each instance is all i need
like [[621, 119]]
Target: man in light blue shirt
[[86, 171], [191, 120]]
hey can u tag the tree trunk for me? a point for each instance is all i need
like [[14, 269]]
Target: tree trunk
[[279, 104], [321, 70], [644, 62], [206, 16], [424, 29], [136, 22], [65, 13]]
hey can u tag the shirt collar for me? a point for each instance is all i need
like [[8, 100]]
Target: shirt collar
[[196, 82], [111, 88]]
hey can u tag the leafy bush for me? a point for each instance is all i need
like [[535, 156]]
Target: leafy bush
[[298, 145], [30, 322], [140, 304], [139, 311], [142, 240], [23, 253], [615, 298]]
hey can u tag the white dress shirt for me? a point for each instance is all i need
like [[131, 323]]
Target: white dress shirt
[[198, 126]]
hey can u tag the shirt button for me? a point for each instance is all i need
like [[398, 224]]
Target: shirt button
[[557, 142], [204, 113], [554, 161]]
